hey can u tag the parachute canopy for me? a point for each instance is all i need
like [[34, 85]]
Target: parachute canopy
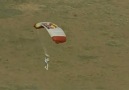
[[56, 33]]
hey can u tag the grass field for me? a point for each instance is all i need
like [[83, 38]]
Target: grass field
[[95, 56]]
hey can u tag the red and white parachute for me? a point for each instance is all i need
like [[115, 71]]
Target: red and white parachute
[[56, 33]]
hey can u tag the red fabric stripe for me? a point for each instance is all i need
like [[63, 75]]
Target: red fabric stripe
[[59, 39]]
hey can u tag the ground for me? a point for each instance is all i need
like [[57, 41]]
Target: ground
[[95, 56]]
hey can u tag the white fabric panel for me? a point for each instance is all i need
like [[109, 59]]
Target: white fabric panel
[[54, 32]]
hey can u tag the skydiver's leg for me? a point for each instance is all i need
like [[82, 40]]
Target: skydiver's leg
[[46, 67]]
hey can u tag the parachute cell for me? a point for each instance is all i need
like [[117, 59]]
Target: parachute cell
[[56, 33]]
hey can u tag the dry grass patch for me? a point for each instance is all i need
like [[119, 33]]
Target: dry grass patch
[[27, 7]]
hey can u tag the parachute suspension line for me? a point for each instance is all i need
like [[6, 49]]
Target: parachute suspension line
[[41, 43], [45, 51]]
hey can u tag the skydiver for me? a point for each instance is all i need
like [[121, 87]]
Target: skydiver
[[46, 61]]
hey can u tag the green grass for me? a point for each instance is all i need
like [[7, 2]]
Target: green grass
[[87, 57], [114, 43], [17, 87], [7, 13]]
